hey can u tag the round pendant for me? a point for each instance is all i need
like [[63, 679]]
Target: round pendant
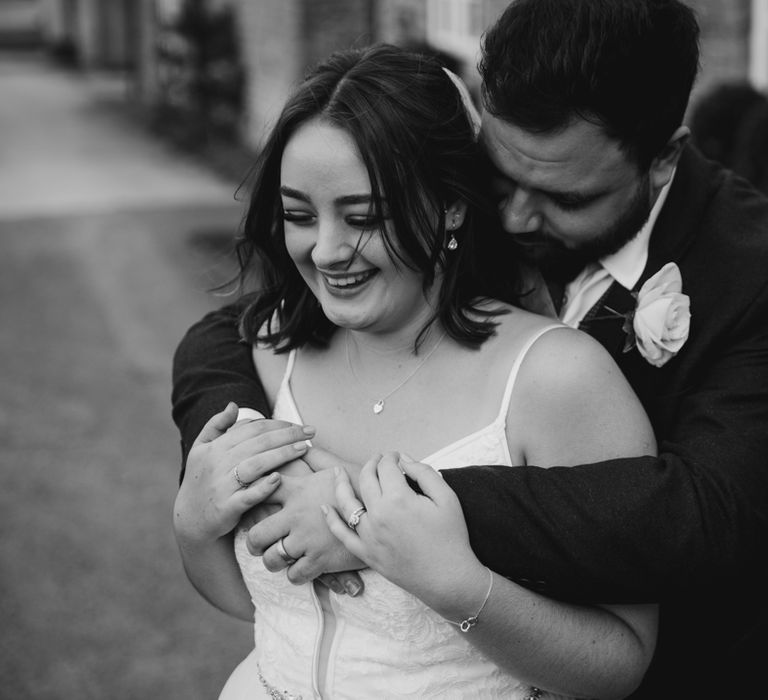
[[378, 407]]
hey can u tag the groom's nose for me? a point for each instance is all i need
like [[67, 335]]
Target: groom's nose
[[519, 213]]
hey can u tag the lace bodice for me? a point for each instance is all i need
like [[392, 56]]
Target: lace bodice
[[386, 643]]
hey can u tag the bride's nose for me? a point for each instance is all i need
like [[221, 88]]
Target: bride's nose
[[334, 247]]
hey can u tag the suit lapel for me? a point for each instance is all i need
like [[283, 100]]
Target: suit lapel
[[679, 219], [672, 234]]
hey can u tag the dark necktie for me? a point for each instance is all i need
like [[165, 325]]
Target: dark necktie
[[605, 320]]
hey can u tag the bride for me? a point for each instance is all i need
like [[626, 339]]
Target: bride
[[380, 325]]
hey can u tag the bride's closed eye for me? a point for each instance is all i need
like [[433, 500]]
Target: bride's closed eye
[[366, 222], [298, 217]]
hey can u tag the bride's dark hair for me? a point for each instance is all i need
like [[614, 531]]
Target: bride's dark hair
[[418, 145]]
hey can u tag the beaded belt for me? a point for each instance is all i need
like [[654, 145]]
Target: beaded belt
[[274, 693]]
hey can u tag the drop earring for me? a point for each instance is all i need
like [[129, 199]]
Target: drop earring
[[452, 242]]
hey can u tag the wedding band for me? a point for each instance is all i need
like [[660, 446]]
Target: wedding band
[[354, 519], [287, 558], [239, 481]]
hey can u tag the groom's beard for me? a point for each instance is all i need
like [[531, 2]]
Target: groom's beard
[[562, 264]]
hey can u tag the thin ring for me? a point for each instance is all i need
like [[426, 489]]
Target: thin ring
[[287, 558], [239, 481], [354, 518]]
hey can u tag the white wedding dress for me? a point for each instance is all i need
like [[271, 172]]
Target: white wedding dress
[[313, 643]]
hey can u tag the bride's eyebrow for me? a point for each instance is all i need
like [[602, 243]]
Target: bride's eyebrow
[[344, 200], [357, 199], [294, 194]]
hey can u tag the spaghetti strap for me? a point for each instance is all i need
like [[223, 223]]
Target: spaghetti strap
[[516, 367]]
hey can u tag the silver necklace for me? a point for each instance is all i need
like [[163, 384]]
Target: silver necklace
[[378, 406]]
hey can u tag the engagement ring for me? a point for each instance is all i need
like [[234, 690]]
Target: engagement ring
[[354, 519]]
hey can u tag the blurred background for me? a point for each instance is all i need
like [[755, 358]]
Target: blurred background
[[126, 127]]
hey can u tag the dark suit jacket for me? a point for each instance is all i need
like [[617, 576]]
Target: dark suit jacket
[[688, 529]]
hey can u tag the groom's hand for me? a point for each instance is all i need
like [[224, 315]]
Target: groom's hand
[[305, 536]]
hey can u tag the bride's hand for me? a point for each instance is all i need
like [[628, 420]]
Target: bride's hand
[[417, 541], [226, 470]]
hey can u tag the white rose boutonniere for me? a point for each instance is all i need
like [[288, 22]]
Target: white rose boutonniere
[[661, 321]]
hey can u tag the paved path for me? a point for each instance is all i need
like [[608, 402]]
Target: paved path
[[109, 240], [71, 149]]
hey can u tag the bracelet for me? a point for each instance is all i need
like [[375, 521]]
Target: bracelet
[[471, 621]]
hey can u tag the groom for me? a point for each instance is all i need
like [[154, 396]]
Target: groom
[[584, 101]]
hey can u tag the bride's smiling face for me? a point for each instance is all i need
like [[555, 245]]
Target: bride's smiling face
[[335, 238]]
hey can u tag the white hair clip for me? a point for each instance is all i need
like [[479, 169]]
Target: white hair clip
[[466, 98]]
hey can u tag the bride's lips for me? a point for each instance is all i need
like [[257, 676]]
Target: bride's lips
[[346, 283]]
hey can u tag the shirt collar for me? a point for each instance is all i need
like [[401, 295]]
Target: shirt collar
[[627, 264]]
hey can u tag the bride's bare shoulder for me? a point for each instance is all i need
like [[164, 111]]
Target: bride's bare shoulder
[[562, 357], [566, 364]]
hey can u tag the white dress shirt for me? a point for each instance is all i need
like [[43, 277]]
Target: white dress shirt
[[624, 266]]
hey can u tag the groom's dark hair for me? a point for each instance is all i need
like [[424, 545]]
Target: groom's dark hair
[[628, 65]]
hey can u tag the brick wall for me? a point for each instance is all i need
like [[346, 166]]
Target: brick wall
[[281, 38], [725, 28], [401, 21], [270, 34], [331, 25]]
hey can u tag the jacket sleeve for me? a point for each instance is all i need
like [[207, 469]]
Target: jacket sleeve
[[638, 530], [212, 367], [632, 530]]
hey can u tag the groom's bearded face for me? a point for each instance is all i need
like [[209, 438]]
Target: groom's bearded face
[[558, 261], [569, 197]]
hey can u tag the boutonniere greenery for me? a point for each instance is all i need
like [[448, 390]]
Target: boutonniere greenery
[[659, 324]]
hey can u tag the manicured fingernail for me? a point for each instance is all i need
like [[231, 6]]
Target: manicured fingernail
[[273, 478], [300, 446], [352, 587], [308, 430], [231, 404], [324, 508]]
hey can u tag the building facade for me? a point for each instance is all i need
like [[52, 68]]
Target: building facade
[[277, 40], [734, 40], [92, 33]]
